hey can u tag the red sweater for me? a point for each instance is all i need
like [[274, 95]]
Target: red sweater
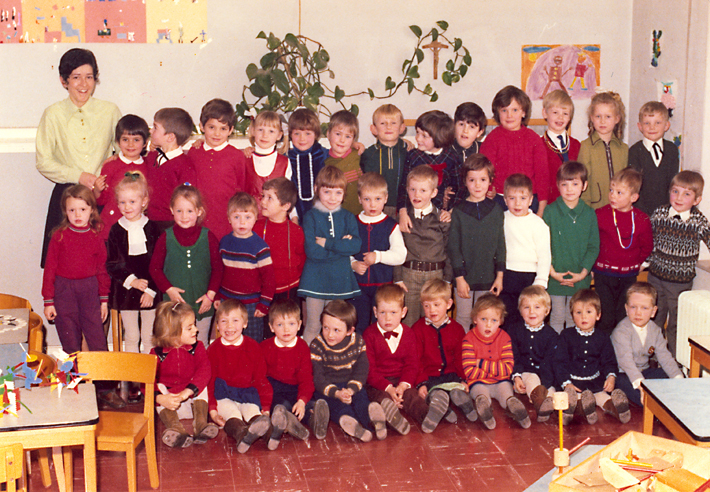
[[494, 354], [286, 242], [403, 365], [255, 182], [613, 258], [290, 365], [220, 175], [554, 162], [165, 179], [431, 350], [240, 366], [521, 151], [183, 367], [75, 254]]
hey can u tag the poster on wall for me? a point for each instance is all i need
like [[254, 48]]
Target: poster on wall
[[103, 21], [573, 68]]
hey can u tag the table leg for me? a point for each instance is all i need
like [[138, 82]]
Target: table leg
[[90, 460], [647, 416], [59, 468], [43, 459], [69, 468], [694, 371]]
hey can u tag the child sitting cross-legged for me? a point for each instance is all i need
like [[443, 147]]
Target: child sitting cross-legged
[[534, 344], [585, 365], [340, 368], [487, 359]]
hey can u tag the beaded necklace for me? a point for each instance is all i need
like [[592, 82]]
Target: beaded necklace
[[298, 177], [551, 145], [618, 233]]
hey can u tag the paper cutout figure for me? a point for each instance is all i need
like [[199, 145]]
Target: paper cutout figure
[[656, 50]]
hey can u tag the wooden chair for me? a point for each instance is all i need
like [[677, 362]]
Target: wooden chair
[[35, 334], [12, 468], [117, 330], [123, 431]]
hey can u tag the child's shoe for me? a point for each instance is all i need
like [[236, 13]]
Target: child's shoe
[[450, 415], [394, 417], [618, 406], [295, 427], [320, 416], [201, 429], [175, 434], [589, 406], [462, 400], [518, 412], [236, 429], [278, 426], [353, 428], [438, 406], [258, 426], [568, 415], [542, 403], [377, 417], [483, 407]]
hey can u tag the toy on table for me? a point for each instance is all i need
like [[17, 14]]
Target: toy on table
[[560, 402]]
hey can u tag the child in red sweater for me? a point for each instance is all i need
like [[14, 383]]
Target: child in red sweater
[[182, 376], [267, 160], [239, 393], [394, 366], [487, 358]]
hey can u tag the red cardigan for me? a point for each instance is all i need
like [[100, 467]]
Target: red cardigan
[[403, 365], [286, 242], [183, 367], [290, 365], [430, 351]]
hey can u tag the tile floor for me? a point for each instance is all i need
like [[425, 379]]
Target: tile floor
[[462, 456]]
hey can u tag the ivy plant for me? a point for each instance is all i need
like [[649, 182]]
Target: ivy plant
[[295, 72]]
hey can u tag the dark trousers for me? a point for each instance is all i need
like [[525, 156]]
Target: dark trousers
[[363, 306], [78, 312], [356, 409], [54, 216], [612, 294], [286, 395], [634, 395], [412, 404], [513, 285]]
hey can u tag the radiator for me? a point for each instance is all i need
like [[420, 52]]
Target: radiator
[[693, 319]]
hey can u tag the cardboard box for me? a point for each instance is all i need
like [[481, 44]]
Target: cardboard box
[[695, 459]]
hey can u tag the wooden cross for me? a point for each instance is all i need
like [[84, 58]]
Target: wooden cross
[[435, 47]]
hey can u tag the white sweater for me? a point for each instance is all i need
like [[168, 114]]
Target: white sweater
[[527, 246]]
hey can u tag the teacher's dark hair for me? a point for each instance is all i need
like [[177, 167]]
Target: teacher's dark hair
[[75, 58]]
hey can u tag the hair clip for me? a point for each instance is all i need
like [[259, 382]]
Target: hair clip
[[251, 113], [174, 306], [134, 175]]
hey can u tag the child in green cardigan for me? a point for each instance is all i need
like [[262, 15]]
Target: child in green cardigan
[[342, 134]]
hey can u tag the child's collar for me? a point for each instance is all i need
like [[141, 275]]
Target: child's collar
[[330, 154], [216, 149], [367, 219], [125, 160], [322, 208], [585, 333]]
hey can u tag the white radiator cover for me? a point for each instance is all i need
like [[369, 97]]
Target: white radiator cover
[[693, 319]]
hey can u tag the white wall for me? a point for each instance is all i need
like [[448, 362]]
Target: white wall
[[367, 44]]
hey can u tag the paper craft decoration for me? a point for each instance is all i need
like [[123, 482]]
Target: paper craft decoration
[[656, 49], [574, 69], [666, 91]]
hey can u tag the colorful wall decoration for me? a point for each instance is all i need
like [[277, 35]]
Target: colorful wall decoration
[[572, 68]]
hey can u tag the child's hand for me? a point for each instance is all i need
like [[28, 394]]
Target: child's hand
[[370, 258], [405, 222], [347, 236], [320, 241], [404, 287], [609, 384], [448, 195], [574, 387], [104, 311], [360, 147], [259, 313], [491, 193], [146, 300], [299, 409], [87, 179], [423, 392], [344, 395], [140, 284], [171, 401], [359, 267], [198, 143], [497, 286], [519, 385], [174, 294], [445, 216], [248, 151], [574, 278], [50, 313], [462, 288], [392, 391], [410, 145], [205, 304], [401, 388], [100, 183], [216, 418]]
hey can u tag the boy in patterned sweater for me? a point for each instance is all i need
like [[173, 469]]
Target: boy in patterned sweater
[[678, 229]]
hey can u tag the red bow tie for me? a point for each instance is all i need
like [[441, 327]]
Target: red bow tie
[[390, 334]]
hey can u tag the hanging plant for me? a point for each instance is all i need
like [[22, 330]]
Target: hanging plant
[[295, 72]]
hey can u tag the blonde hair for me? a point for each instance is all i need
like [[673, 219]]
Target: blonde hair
[[169, 317], [651, 108], [424, 172], [229, 305], [371, 182], [488, 301], [133, 181], [560, 99], [689, 179], [347, 119], [614, 100], [535, 293], [434, 289], [242, 202], [272, 119], [642, 288], [387, 110], [192, 195], [80, 192], [389, 293], [629, 177]]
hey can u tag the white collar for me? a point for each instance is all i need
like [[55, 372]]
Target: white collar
[[649, 144], [584, 333], [554, 138], [321, 208], [367, 219], [535, 330], [684, 216], [235, 343], [639, 328], [434, 153], [125, 159], [443, 323], [216, 149], [397, 330], [290, 344], [136, 235], [173, 153], [423, 212]]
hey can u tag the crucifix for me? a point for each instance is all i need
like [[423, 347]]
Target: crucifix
[[435, 47]]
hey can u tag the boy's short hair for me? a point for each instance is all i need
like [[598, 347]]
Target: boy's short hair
[[387, 110], [487, 301], [347, 119], [167, 328], [439, 126], [630, 178], [436, 289], [689, 179], [176, 121], [284, 189], [572, 170], [476, 162], [535, 293], [586, 296], [342, 310], [505, 96], [220, 110], [371, 182], [284, 308], [229, 305], [132, 125], [242, 202], [560, 99], [389, 293], [75, 58], [515, 181], [304, 119], [472, 114], [331, 177], [653, 107], [424, 172], [642, 288]]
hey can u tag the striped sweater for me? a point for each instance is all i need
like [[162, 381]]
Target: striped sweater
[[344, 365], [486, 360], [248, 271]]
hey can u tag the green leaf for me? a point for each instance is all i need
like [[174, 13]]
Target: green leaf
[[410, 85], [273, 42], [257, 90], [434, 97], [443, 25], [251, 71], [264, 81], [301, 83], [420, 55], [467, 59], [354, 110], [428, 89], [389, 84], [455, 78], [405, 64], [416, 30], [311, 103], [318, 62], [457, 43], [462, 70], [324, 55], [371, 92], [434, 34], [261, 35], [290, 104], [303, 50], [450, 65], [446, 78], [267, 61], [274, 99], [338, 94], [413, 72], [291, 40], [315, 90], [292, 68], [280, 80]]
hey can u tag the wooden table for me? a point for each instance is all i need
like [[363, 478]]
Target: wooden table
[[682, 405], [54, 422], [699, 354]]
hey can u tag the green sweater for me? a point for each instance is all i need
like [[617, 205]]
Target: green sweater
[[574, 241]]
